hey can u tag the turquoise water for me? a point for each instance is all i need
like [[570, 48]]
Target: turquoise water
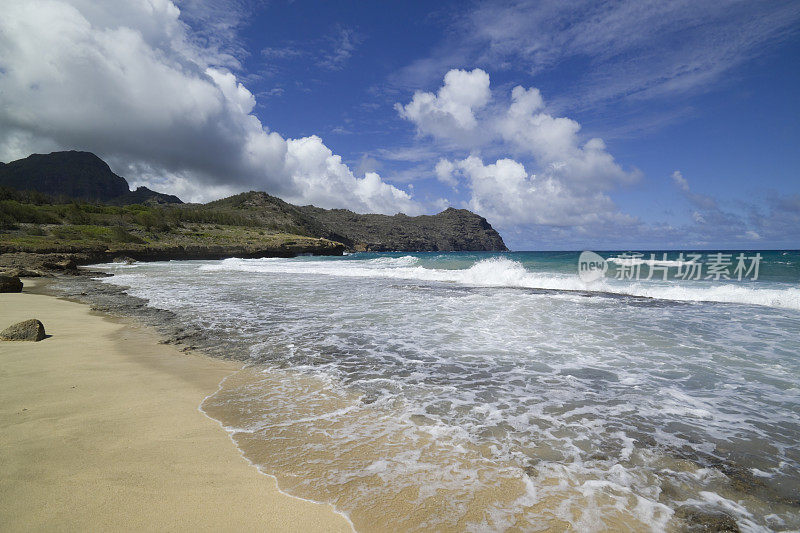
[[499, 389], [779, 266]]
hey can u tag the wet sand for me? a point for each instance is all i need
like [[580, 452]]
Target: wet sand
[[100, 430]]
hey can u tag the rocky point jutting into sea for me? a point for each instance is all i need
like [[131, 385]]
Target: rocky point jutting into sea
[[69, 207]]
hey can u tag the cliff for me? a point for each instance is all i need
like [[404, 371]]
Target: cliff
[[450, 230], [75, 175]]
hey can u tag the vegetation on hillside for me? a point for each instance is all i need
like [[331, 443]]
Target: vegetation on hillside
[[30, 221], [108, 212]]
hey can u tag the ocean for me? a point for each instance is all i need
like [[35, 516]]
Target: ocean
[[487, 391]]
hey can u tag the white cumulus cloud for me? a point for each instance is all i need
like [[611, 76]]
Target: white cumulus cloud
[[450, 113], [549, 177], [507, 194], [128, 81], [554, 143], [459, 116]]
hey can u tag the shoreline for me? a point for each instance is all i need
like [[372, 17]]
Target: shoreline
[[266, 452], [102, 428]]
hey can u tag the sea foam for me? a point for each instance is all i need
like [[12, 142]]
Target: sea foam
[[503, 272], [395, 377]]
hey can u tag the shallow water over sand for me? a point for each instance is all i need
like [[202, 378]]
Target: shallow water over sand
[[470, 395]]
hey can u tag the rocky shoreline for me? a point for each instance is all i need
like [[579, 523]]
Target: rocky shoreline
[[114, 301], [64, 276], [56, 260], [68, 258]]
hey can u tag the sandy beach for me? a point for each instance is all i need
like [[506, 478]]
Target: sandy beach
[[100, 430]]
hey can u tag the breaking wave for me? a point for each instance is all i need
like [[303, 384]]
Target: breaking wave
[[504, 272]]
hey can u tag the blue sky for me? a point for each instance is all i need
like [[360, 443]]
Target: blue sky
[[567, 125]]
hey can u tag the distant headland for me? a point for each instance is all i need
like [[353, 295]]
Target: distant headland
[[72, 205]]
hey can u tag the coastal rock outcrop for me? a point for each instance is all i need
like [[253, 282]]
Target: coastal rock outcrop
[[27, 330], [450, 230], [15, 272], [34, 265], [10, 284], [67, 263]]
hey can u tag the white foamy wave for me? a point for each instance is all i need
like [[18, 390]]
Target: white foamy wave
[[406, 260], [503, 272], [788, 298]]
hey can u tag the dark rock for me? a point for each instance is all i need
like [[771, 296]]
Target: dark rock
[[75, 175], [64, 264], [28, 330], [172, 329], [143, 195], [705, 520], [42, 264], [450, 230], [10, 284], [124, 259], [21, 273], [29, 273]]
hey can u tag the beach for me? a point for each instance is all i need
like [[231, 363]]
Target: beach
[[487, 391], [409, 392], [100, 430]]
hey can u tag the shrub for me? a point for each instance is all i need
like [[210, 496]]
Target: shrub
[[35, 229], [25, 197], [13, 212], [120, 234], [67, 233], [76, 215], [7, 221]]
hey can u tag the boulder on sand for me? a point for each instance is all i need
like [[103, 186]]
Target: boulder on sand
[[27, 330], [10, 284]]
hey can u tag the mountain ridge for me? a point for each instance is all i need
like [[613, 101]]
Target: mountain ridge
[[77, 175], [84, 176]]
